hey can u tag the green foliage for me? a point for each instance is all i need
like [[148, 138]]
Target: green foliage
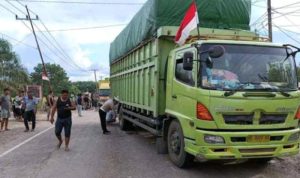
[[275, 73], [12, 73], [58, 78], [298, 73], [88, 86]]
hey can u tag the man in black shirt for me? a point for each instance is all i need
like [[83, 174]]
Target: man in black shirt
[[64, 108]]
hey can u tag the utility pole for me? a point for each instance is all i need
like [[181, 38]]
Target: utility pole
[[28, 17], [270, 21], [95, 74]]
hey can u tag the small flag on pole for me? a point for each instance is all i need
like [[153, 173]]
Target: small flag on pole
[[44, 76], [189, 23]]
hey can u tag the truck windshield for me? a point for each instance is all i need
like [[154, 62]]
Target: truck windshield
[[105, 92], [245, 67]]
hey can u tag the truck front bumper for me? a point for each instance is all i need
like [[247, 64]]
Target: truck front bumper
[[236, 145]]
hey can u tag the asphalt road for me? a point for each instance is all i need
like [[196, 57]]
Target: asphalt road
[[124, 155]]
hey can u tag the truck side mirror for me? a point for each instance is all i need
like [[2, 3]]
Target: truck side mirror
[[188, 61], [216, 51]]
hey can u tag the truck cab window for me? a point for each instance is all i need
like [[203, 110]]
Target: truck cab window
[[254, 68], [183, 75]]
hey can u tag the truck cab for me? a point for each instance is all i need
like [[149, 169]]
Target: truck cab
[[230, 99]]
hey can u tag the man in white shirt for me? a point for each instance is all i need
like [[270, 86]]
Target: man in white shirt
[[109, 105]]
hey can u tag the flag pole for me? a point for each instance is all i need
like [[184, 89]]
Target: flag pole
[[198, 30]]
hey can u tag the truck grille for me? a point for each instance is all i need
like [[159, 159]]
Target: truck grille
[[265, 119], [238, 119], [272, 119], [244, 139], [257, 150]]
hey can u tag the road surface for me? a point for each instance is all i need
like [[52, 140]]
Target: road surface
[[124, 155]]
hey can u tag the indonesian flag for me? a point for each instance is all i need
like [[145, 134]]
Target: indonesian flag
[[44, 76], [189, 23]]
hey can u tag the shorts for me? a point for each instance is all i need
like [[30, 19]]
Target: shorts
[[5, 114], [65, 124]]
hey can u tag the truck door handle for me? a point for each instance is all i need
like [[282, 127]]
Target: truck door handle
[[174, 96]]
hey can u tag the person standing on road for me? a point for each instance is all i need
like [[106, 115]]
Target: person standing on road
[[50, 102], [5, 103], [79, 105], [64, 108], [19, 102], [30, 111], [109, 105]]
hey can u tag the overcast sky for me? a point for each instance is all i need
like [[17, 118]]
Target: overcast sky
[[89, 49]]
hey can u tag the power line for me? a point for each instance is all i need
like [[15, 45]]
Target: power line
[[289, 5], [59, 46], [56, 46], [18, 41], [52, 51], [7, 9], [288, 20], [45, 44], [81, 2], [16, 7], [261, 18], [25, 44], [257, 1], [286, 13], [84, 28], [288, 35]]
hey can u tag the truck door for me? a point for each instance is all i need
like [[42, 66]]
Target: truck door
[[183, 86]]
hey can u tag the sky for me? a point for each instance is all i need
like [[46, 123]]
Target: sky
[[80, 51]]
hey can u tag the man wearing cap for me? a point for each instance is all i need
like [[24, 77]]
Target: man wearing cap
[[109, 105]]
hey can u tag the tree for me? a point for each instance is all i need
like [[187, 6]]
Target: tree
[[58, 78], [88, 86], [12, 73]]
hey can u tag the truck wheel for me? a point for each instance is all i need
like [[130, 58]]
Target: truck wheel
[[124, 124], [161, 145], [176, 146]]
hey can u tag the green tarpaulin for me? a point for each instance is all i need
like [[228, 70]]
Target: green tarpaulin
[[220, 14]]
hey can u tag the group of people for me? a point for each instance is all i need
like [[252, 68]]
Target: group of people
[[25, 108]]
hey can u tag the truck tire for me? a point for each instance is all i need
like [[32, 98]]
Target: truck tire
[[161, 145], [125, 125], [176, 145]]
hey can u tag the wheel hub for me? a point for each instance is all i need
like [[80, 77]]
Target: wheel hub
[[175, 142]]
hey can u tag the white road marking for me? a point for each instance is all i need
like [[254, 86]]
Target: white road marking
[[26, 141]]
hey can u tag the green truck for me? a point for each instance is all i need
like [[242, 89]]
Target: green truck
[[228, 95]]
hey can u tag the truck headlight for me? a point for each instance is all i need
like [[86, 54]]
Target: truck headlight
[[213, 139], [294, 137]]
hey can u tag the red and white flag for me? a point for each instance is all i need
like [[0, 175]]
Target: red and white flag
[[44, 76], [189, 23]]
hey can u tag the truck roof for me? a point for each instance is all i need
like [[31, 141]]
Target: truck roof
[[213, 34]]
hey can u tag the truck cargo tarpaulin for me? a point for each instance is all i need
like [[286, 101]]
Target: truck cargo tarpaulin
[[219, 14]]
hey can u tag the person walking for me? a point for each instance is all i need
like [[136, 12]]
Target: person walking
[[50, 102], [5, 103], [109, 105], [64, 108], [30, 111], [79, 105]]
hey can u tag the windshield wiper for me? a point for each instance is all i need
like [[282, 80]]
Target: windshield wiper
[[283, 93], [242, 86], [232, 92]]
